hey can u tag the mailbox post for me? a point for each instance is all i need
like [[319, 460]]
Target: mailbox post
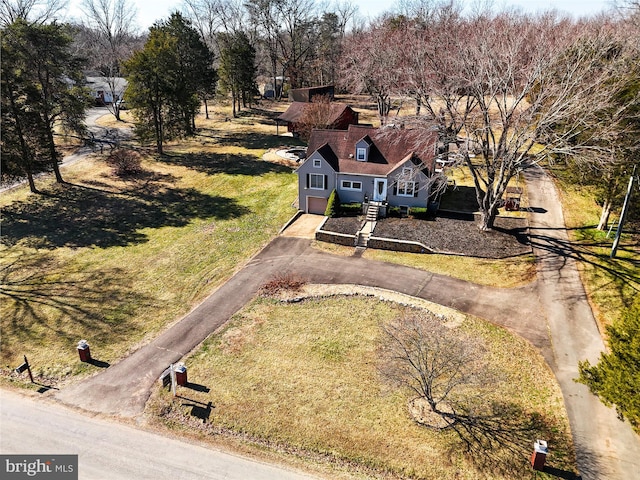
[[539, 455], [27, 367], [181, 374], [83, 351]]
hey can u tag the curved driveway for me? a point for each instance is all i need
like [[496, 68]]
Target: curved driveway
[[553, 314]]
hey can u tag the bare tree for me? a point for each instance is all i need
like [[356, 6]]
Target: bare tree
[[371, 64], [264, 16], [297, 38], [34, 11], [316, 114], [346, 12], [452, 385], [441, 366], [211, 17], [112, 22], [501, 86]]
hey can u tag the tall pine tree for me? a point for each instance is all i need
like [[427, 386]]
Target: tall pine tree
[[41, 90], [237, 67]]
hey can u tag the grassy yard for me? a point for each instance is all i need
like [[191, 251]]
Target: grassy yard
[[504, 273], [115, 261], [611, 284], [303, 378]]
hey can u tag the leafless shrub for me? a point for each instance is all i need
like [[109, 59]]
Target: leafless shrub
[[441, 366], [125, 162], [452, 386], [282, 282]]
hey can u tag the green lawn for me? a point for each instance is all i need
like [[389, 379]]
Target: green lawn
[[303, 378], [115, 261], [612, 284]]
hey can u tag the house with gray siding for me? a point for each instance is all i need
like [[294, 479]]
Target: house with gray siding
[[389, 166]]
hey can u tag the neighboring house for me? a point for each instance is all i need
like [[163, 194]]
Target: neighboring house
[[101, 90], [391, 166], [307, 94], [339, 117]]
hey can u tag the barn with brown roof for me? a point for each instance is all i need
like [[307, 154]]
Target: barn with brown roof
[[339, 116], [389, 166]]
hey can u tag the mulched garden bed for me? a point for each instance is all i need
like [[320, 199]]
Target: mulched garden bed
[[345, 225], [449, 233]]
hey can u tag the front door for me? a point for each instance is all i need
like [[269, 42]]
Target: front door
[[379, 189]]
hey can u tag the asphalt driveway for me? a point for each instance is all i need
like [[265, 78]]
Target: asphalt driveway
[[552, 313]]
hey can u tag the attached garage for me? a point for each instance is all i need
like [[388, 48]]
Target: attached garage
[[316, 205]]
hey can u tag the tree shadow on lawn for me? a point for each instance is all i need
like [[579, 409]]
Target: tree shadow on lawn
[[79, 216], [256, 141], [557, 251], [37, 288], [227, 163], [501, 439]]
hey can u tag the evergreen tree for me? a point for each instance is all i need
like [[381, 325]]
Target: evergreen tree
[[41, 88], [616, 377], [237, 67], [165, 79]]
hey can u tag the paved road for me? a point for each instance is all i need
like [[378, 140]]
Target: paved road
[[102, 136], [112, 451]]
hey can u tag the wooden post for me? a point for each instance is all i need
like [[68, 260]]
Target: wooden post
[[625, 207], [28, 369], [172, 373]]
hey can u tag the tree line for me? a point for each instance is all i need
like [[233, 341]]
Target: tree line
[[504, 89]]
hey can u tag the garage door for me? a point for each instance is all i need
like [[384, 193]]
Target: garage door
[[316, 205]]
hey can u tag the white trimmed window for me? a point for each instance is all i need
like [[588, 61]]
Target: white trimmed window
[[361, 154], [316, 181], [350, 185], [317, 163], [406, 189]]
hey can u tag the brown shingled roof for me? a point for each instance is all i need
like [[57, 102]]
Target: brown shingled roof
[[296, 110], [390, 146]]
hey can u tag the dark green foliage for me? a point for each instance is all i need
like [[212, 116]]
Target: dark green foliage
[[616, 377], [237, 67], [165, 79], [332, 204], [394, 212], [41, 88], [420, 212], [351, 209]]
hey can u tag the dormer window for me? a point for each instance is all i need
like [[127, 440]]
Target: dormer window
[[361, 154]]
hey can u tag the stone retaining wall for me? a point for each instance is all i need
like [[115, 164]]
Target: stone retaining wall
[[334, 237], [398, 245]]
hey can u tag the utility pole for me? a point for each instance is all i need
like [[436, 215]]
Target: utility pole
[[625, 208]]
